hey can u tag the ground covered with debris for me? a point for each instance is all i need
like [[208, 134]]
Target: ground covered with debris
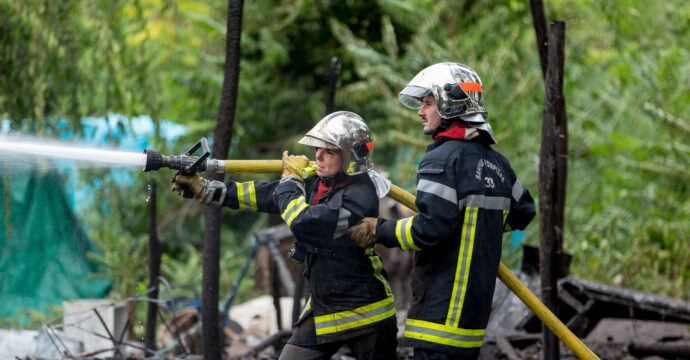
[[615, 323]]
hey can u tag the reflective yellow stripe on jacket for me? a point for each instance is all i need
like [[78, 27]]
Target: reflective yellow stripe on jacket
[[361, 316], [246, 196], [378, 267], [294, 208], [443, 334], [462, 271]]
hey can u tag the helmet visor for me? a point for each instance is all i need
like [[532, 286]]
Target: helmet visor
[[312, 141], [411, 96]]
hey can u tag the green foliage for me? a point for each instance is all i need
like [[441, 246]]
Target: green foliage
[[626, 87], [74, 58]]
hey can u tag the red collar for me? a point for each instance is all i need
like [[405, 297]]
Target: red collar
[[325, 186], [458, 131]]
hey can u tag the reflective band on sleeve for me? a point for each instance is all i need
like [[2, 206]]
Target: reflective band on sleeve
[[442, 334], [445, 192], [246, 196], [403, 232], [462, 271], [518, 189], [485, 202], [365, 315], [294, 208]]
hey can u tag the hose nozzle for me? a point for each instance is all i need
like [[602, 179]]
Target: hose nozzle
[[185, 163], [154, 160]]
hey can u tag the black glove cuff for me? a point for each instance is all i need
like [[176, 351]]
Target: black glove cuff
[[385, 233]]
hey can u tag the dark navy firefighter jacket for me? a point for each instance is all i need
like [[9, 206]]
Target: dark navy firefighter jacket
[[467, 196], [349, 291]]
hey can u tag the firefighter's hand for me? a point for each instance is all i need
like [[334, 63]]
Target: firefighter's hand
[[293, 164], [364, 233], [188, 185]]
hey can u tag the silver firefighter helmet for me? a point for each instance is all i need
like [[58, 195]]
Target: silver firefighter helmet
[[348, 132], [456, 87]]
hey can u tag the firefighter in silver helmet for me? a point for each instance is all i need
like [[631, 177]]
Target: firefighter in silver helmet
[[467, 196], [350, 300]]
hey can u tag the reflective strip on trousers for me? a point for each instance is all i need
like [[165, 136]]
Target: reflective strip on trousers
[[462, 270], [443, 334], [403, 232], [246, 196], [294, 208], [365, 315]]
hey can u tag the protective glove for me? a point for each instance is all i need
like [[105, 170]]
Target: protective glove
[[364, 233], [293, 164], [188, 184]]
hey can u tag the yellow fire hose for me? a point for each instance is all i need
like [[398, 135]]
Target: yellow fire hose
[[510, 280]]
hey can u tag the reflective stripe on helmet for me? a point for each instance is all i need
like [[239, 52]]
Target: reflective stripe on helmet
[[471, 86]]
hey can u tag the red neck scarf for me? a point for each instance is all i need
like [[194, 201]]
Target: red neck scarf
[[460, 132], [326, 186]]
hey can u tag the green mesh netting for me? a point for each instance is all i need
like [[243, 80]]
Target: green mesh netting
[[42, 247]]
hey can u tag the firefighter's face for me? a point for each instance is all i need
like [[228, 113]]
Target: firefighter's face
[[328, 162], [430, 117]]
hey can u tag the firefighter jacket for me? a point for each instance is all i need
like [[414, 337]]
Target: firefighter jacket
[[467, 196], [349, 291]]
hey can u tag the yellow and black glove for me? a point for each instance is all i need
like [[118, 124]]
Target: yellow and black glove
[[190, 185], [293, 164], [364, 233]]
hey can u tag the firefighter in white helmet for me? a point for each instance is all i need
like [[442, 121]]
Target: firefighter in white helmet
[[467, 196], [350, 301]]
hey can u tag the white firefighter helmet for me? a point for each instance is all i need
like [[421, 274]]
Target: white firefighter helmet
[[456, 87], [348, 132]]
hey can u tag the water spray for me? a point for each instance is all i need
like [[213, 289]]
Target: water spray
[[18, 152]]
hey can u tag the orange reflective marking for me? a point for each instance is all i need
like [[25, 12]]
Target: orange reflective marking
[[370, 146], [471, 87]]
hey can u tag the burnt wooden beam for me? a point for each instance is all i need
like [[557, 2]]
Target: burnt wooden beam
[[539, 21], [210, 314], [155, 251], [552, 166]]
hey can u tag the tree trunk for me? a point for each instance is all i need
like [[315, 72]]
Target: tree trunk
[[212, 215]]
